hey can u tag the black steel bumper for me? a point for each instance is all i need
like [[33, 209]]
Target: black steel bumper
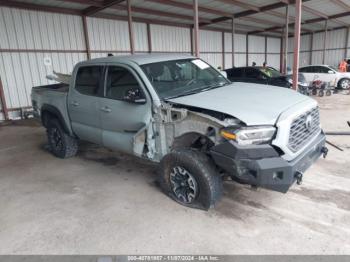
[[262, 165]]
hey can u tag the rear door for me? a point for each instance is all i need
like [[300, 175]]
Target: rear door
[[308, 72], [84, 103], [325, 74], [123, 122]]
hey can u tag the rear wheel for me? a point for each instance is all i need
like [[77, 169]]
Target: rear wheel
[[61, 144], [321, 93], [344, 84], [190, 178]]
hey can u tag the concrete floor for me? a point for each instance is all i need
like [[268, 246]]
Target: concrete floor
[[107, 203]]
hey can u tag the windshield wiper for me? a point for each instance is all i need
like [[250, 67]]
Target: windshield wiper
[[199, 90]]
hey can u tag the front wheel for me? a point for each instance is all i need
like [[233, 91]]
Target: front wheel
[[61, 144], [344, 84], [190, 178]]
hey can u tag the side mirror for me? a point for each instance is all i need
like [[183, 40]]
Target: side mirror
[[134, 95], [330, 72]]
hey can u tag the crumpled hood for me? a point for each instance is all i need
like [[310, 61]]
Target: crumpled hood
[[253, 104]]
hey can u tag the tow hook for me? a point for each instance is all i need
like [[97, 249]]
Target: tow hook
[[299, 176], [324, 151]]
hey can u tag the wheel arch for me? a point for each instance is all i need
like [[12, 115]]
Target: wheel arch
[[49, 111], [341, 79], [191, 140]]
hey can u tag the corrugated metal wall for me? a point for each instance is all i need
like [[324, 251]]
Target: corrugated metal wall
[[27, 37], [60, 37], [335, 48]]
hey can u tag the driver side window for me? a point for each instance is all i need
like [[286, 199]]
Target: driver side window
[[120, 82]]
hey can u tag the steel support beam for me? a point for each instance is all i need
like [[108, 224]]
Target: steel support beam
[[223, 49], [311, 47], [265, 58], [285, 47], [233, 42], [325, 42], [91, 10], [247, 49], [3, 101], [196, 27], [131, 27], [347, 42], [149, 38], [86, 38], [296, 43]]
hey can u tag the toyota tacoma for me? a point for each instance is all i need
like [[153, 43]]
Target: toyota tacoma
[[180, 112]]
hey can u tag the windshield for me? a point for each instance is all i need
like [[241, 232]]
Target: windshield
[[270, 72], [183, 77]]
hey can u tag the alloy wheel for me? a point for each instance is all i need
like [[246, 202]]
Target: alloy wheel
[[183, 185]]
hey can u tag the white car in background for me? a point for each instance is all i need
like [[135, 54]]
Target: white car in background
[[327, 74]]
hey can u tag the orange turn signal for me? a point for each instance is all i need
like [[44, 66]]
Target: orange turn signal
[[227, 135]]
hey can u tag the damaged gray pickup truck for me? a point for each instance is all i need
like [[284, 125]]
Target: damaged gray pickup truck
[[183, 113]]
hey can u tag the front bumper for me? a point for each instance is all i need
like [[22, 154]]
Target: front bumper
[[262, 165]]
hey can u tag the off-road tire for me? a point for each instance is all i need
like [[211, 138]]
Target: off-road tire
[[203, 170], [321, 93], [68, 146]]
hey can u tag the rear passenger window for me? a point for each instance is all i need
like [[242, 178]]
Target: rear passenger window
[[88, 80], [235, 73], [120, 81], [251, 73]]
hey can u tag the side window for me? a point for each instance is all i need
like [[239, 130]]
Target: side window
[[236, 73], [251, 73], [120, 82], [88, 80], [323, 70], [304, 70]]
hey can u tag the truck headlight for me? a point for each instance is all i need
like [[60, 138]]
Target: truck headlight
[[249, 135]]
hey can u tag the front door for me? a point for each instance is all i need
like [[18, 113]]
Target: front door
[[122, 121], [84, 103]]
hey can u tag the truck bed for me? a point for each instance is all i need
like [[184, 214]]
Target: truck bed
[[61, 87]]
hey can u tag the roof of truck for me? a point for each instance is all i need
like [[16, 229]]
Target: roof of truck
[[141, 59]]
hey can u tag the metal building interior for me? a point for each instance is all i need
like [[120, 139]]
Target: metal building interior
[[287, 34]]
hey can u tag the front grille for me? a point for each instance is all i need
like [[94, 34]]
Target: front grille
[[304, 128]]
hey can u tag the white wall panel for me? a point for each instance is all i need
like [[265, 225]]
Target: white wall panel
[[273, 45], [273, 60], [107, 34], [22, 29], [336, 38], [210, 41], [333, 57], [316, 57], [318, 41], [140, 37], [240, 60], [256, 44], [305, 43], [240, 43], [21, 71], [228, 61], [170, 39], [259, 59], [213, 59]]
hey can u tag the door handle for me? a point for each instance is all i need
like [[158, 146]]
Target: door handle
[[74, 103], [106, 109]]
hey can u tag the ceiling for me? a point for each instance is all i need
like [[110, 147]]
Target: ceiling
[[267, 17]]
